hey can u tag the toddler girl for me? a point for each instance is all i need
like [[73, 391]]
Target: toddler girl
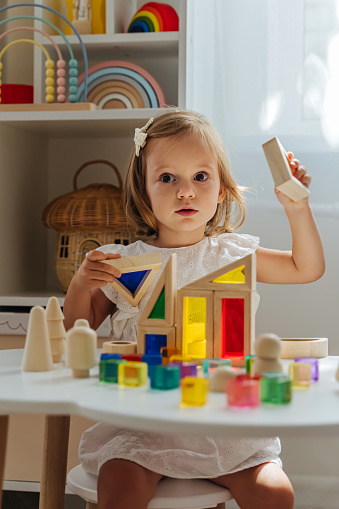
[[180, 196]]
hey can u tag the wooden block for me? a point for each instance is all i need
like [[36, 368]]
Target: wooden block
[[150, 263], [49, 107], [278, 163], [303, 347], [37, 352], [143, 330]]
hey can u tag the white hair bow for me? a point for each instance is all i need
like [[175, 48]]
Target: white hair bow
[[140, 136]]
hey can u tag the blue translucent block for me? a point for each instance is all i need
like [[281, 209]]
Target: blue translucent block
[[275, 388], [314, 366], [210, 364], [105, 356], [131, 280], [164, 377], [154, 343], [152, 359], [109, 370]]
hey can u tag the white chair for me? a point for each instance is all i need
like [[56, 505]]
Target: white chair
[[170, 493]]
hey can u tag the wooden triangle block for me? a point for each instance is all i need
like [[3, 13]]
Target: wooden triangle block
[[210, 282], [137, 273], [160, 309]]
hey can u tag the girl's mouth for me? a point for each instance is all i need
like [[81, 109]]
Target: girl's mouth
[[186, 212]]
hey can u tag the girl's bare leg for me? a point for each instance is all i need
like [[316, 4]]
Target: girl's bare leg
[[123, 484], [265, 486]]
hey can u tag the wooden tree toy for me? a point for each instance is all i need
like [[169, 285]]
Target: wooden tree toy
[[56, 329], [37, 352], [81, 344], [267, 349], [137, 272], [278, 163]]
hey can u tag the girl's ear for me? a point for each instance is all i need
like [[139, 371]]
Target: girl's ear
[[222, 193]]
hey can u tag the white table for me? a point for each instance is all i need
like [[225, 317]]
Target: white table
[[312, 412]]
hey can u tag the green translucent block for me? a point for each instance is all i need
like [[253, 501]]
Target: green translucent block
[[159, 307], [209, 364], [249, 359], [108, 371], [164, 377], [276, 388]]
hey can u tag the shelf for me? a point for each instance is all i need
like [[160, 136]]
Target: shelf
[[155, 43], [30, 299], [77, 124]]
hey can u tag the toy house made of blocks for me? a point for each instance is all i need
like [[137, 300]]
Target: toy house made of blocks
[[212, 317]]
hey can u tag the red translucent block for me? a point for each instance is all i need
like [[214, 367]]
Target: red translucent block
[[243, 392]]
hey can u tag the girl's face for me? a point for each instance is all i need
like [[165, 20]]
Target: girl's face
[[183, 185]]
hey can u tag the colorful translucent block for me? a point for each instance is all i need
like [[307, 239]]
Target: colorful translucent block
[[167, 352], [209, 365], [186, 368], [194, 391], [249, 360], [164, 377], [232, 328], [133, 280], [132, 357], [158, 311], [132, 373], [154, 343], [104, 356], [314, 366], [276, 388], [235, 276], [152, 360], [180, 358], [243, 392], [108, 370], [194, 327], [300, 373]]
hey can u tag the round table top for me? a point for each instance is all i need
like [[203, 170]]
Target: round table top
[[313, 411]]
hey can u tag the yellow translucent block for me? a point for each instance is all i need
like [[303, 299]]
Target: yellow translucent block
[[194, 321], [133, 374], [194, 391], [236, 276], [300, 373], [197, 349], [180, 358]]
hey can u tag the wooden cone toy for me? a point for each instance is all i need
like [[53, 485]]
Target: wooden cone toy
[[81, 345], [56, 329], [37, 352]]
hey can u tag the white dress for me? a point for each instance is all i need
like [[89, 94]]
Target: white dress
[[178, 456]]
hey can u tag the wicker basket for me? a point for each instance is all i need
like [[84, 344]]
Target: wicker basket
[[85, 219]]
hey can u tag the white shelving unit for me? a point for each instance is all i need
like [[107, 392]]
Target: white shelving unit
[[40, 152]]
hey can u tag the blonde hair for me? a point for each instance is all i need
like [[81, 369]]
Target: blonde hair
[[173, 122]]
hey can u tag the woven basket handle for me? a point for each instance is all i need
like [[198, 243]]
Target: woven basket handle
[[97, 161]]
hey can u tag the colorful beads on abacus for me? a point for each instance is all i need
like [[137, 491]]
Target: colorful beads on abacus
[[50, 90], [73, 80], [61, 81]]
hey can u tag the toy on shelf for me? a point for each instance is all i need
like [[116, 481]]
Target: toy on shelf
[[85, 219], [303, 347], [83, 24], [120, 84], [56, 329], [154, 17], [37, 351], [278, 163], [267, 349], [97, 16], [137, 272], [60, 64], [120, 347], [81, 345], [14, 93]]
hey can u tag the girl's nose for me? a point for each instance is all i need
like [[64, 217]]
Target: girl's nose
[[186, 191]]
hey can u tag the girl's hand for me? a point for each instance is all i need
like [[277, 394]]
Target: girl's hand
[[92, 274], [300, 173]]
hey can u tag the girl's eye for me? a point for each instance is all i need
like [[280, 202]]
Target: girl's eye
[[166, 178], [201, 177]]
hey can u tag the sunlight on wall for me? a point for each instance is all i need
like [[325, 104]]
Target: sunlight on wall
[[271, 111]]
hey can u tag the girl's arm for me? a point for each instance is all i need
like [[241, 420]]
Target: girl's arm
[[84, 298], [306, 262]]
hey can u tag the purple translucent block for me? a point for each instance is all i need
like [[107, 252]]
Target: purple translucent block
[[314, 366], [186, 368]]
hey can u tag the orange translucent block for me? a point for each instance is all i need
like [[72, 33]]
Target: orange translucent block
[[132, 374], [300, 373], [167, 352], [194, 391]]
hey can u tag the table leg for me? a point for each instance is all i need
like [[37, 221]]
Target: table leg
[[3, 444], [53, 479]]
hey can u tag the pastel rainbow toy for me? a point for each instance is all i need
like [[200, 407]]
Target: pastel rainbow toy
[[154, 17], [119, 84]]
